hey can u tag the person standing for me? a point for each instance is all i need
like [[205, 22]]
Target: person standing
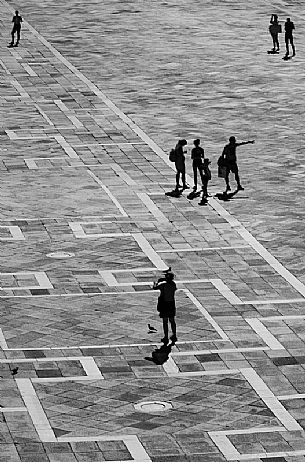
[[206, 178], [180, 164], [274, 30], [166, 304], [17, 20], [230, 161], [289, 27], [197, 155]]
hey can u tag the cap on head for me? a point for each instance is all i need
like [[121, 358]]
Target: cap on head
[[169, 276], [232, 139]]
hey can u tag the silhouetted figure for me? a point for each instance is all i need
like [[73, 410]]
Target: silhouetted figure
[[180, 164], [17, 20], [289, 27], [206, 178], [230, 161], [160, 355], [197, 155], [166, 304], [226, 196], [275, 28]]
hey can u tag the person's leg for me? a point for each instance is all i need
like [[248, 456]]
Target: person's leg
[[227, 178], [292, 46], [18, 35], [177, 179], [185, 186], [204, 187], [287, 44], [174, 329], [202, 176], [277, 44], [237, 179], [165, 329], [195, 175], [274, 41]]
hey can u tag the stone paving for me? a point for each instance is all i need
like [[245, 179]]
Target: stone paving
[[86, 227]]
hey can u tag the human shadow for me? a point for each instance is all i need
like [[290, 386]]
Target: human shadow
[[160, 355], [225, 196]]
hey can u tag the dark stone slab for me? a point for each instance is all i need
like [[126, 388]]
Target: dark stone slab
[[39, 292], [208, 357], [34, 354], [58, 432], [284, 361], [44, 373], [90, 290]]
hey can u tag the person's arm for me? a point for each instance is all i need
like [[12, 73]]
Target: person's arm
[[244, 142]]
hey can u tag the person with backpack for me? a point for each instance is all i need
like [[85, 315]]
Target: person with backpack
[[17, 20], [197, 155], [177, 156], [166, 304], [229, 160]]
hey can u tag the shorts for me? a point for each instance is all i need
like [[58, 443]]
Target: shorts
[[232, 168], [166, 309]]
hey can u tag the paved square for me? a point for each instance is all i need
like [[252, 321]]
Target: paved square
[[90, 106]]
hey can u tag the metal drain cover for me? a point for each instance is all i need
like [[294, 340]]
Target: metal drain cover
[[153, 406], [60, 254]]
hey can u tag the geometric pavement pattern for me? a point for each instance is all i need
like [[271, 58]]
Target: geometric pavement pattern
[[67, 155]]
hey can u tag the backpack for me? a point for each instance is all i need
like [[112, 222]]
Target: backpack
[[172, 155]]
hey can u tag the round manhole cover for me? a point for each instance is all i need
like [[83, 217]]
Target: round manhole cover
[[60, 255], [152, 406]]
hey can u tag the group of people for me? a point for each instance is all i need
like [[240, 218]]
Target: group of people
[[227, 162], [275, 29]]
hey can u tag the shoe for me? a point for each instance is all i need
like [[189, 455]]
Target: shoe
[[164, 340], [10, 45], [240, 188], [173, 338]]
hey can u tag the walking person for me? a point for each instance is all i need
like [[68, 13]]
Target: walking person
[[166, 304], [17, 20], [275, 28], [289, 27], [197, 155], [180, 165], [230, 161]]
